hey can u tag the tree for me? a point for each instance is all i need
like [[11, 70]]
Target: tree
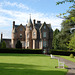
[[71, 44], [70, 7], [18, 44], [55, 41], [3, 44], [68, 22], [65, 34]]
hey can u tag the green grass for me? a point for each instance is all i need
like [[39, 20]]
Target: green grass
[[29, 64], [68, 58]]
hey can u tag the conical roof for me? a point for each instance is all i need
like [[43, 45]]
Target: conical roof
[[29, 22]]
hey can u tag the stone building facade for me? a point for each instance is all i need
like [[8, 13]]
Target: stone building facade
[[33, 35]]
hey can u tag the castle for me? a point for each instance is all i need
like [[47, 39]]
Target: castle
[[33, 35]]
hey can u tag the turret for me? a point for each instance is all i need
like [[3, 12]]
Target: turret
[[29, 22]]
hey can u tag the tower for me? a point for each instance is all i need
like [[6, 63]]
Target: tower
[[28, 33]]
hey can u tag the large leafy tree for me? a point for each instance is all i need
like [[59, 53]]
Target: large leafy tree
[[71, 44], [68, 22], [65, 34], [70, 7], [55, 42]]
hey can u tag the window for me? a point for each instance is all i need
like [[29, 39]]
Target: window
[[33, 33], [21, 29], [44, 34], [44, 27], [41, 44], [44, 43], [30, 28], [27, 43], [27, 35], [20, 35]]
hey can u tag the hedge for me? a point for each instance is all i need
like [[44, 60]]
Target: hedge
[[62, 52], [25, 51]]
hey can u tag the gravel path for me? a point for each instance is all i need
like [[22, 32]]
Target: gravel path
[[70, 64]]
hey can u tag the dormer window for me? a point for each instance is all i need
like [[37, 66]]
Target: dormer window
[[44, 27], [20, 35]]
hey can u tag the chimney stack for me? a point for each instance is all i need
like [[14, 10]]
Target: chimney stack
[[34, 22], [13, 24], [1, 37]]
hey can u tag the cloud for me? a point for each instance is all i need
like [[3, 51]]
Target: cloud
[[8, 16], [18, 5]]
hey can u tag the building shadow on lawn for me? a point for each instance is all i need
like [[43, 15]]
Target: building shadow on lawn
[[21, 69]]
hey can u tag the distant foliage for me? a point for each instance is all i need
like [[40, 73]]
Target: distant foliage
[[18, 44], [3, 44], [71, 56], [55, 41], [71, 44]]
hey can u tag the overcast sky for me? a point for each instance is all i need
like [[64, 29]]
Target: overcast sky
[[19, 10]]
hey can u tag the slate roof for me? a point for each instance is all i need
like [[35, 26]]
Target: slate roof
[[29, 22]]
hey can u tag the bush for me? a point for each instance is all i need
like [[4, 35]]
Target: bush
[[19, 44], [3, 44], [71, 56], [25, 51]]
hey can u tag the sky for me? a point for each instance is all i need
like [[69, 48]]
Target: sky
[[19, 10]]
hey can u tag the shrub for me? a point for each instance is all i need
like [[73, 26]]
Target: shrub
[[71, 56], [19, 44], [3, 44]]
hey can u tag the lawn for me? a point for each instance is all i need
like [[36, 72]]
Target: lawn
[[68, 58], [29, 64]]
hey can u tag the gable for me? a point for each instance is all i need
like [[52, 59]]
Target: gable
[[20, 28]]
